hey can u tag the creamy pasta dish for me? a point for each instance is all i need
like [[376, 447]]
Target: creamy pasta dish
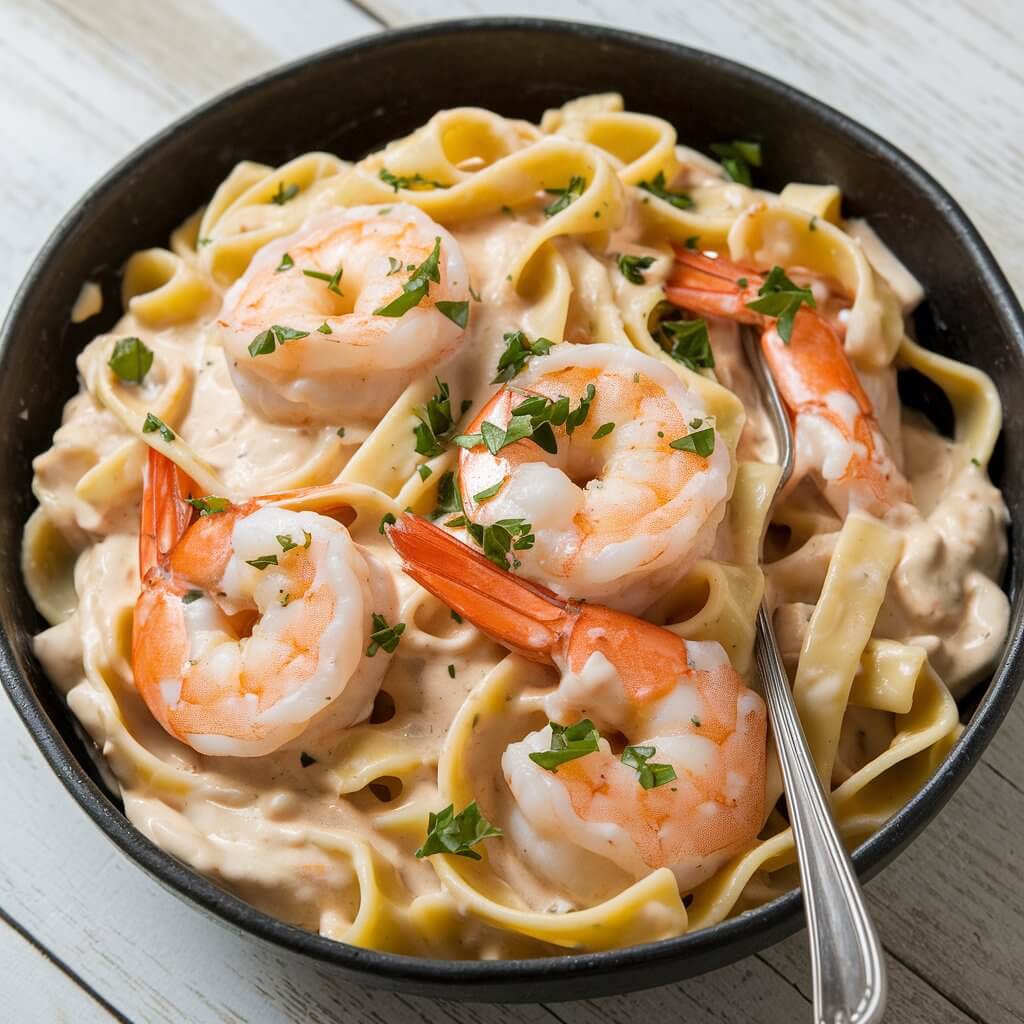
[[403, 543]]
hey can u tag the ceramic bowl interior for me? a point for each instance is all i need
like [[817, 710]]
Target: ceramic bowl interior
[[352, 100]]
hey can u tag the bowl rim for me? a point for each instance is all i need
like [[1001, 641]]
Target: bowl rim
[[750, 931]]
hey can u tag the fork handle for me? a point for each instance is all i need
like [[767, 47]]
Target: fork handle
[[847, 965]]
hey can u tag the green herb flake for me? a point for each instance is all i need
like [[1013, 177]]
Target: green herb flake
[[266, 341], [449, 501], [412, 183], [742, 282], [286, 542], [566, 196], [518, 351], [416, 288], [306, 759], [451, 671], [695, 720], [498, 540], [340, 432], [286, 599], [457, 617], [437, 422], [131, 360], [424, 471], [331, 279], [688, 343], [286, 264], [700, 442], [325, 328], [457, 312], [191, 595], [151, 423], [781, 298], [203, 241], [680, 200], [975, 462], [388, 519], [384, 637], [457, 834], [489, 492], [284, 193], [603, 431], [631, 267], [651, 775], [737, 159], [210, 505], [691, 242], [812, 224], [568, 742], [262, 562]]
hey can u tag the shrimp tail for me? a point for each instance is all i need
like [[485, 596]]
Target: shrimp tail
[[166, 514], [715, 287], [521, 615]]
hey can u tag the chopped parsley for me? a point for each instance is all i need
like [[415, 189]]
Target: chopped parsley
[[566, 196], [413, 183], [210, 505], [680, 200], [340, 432], [603, 431], [151, 423], [489, 492], [415, 289], [331, 279], [699, 441], [691, 242], [203, 241], [781, 298], [388, 519], [306, 759], [518, 350], [394, 265], [448, 832], [449, 501], [287, 543], [688, 343], [457, 312], [695, 720], [191, 595], [284, 193], [384, 636], [568, 742], [631, 267], [451, 671], [437, 421], [325, 328], [131, 360], [457, 617], [266, 341], [262, 562], [286, 264], [424, 471], [738, 157], [651, 775]]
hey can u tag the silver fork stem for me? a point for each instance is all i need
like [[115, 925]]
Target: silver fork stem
[[847, 964]]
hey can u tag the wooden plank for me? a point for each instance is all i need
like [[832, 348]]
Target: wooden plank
[[36, 989], [93, 80]]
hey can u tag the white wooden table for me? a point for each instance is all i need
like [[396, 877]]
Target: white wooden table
[[84, 935]]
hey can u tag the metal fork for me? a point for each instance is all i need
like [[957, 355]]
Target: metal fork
[[847, 965]]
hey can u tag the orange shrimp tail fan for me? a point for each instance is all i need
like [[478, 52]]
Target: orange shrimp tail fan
[[166, 514], [711, 286], [521, 615]]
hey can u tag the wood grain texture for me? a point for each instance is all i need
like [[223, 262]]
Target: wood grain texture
[[83, 81]]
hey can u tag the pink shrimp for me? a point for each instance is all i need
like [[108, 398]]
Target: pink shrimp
[[626, 676], [837, 435], [252, 618]]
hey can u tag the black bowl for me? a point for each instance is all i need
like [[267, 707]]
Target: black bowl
[[351, 100]]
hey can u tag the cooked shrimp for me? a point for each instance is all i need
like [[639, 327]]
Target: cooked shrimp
[[838, 439], [628, 676], [251, 620], [616, 513], [327, 283]]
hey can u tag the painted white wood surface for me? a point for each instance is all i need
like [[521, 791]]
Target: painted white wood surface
[[81, 82]]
